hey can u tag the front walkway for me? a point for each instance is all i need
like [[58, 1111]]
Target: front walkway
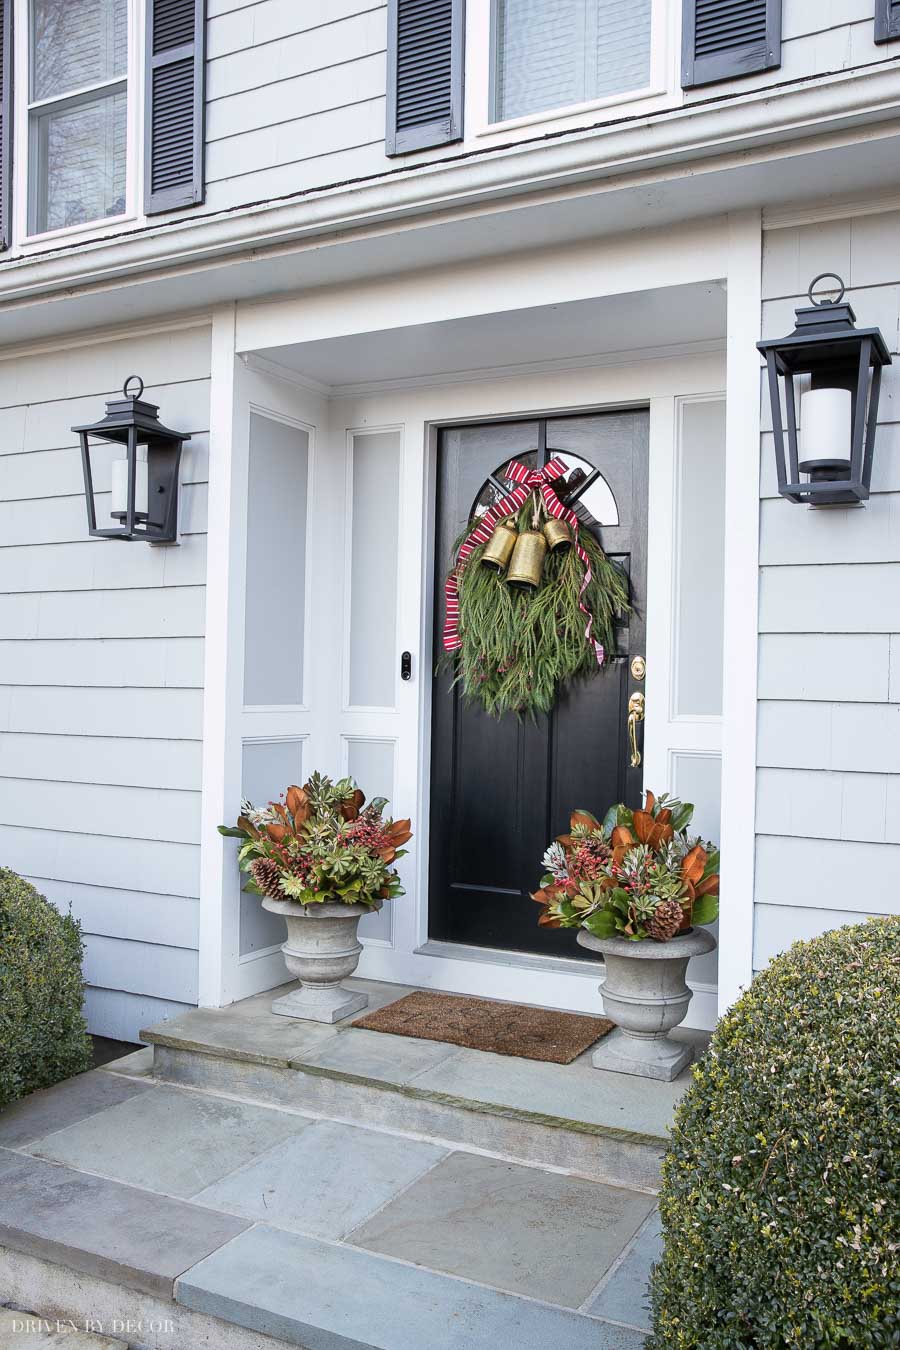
[[322, 1229]]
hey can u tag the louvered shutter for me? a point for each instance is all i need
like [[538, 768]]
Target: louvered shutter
[[174, 108], [723, 39], [887, 20], [426, 42], [6, 140]]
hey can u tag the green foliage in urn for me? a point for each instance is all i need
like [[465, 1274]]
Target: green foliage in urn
[[635, 874], [43, 1037], [781, 1187], [321, 843]]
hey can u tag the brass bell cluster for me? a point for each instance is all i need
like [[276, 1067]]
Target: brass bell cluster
[[521, 553]]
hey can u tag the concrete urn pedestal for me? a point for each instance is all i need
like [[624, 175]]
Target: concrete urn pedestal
[[645, 993], [322, 949]]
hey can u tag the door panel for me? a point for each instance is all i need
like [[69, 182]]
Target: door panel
[[502, 789]]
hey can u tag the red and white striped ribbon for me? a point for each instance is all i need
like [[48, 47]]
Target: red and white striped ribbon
[[525, 481]]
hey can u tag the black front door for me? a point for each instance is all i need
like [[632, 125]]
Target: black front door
[[502, 789]]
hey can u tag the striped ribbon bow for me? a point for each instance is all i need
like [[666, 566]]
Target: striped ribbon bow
[[525, 481]]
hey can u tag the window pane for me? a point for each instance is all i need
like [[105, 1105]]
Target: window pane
[[554, 53], [700, 560], [76, 43], [80, 162], [276, 562], [373, 577]]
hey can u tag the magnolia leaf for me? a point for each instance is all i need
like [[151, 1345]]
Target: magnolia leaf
[[610, 820], [277, 832], [602, 924], [693, 863], [682, 816], [549, 921], [231, 832], [650, 801], [708, 886], [584, 818], [622, 837], [248, 827], [643, 826], [706, 909]]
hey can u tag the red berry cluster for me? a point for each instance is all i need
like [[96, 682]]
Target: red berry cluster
[[370, 835]]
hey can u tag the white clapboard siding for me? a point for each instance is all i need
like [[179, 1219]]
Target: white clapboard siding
[[823, 804], [829, 667], [63, 520], [164, 920], [121, 1016], [153, 714], [777, 926], [828, 737], [91, 563], [346, 85], [101, 672], [150, 663], [133, 813], [234, 25], [827, 872], [102, 860], [141, 968], [122, 761], [176, 611], [311, 137]]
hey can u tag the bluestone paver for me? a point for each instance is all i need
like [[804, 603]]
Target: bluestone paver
[[576, 1092], [374, 1054], [102, 1228], [170, 1140], [518, 1228], [247, 1029], [325, 1180], [325, 1297], [68, 1102], [626, 1296]]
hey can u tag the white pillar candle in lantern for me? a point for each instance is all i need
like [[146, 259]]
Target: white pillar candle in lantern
[[119, 504], [825, 430]]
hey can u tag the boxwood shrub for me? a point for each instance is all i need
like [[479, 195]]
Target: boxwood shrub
[[781, 1186], [43, 1037]]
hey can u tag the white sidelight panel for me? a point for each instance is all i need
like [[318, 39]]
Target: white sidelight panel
[[374, 517], [371, 762], [268, 768], [700, 558], [277, 498]]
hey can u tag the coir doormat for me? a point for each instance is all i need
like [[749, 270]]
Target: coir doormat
[[482, 1024]]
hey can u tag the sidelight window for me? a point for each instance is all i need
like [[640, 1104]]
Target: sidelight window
[[554, 54], [77, 112]]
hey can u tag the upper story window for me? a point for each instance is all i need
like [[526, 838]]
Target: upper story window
[[550, 54], [77, 112]]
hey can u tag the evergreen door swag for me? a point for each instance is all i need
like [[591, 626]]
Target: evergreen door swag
[[531, 601]]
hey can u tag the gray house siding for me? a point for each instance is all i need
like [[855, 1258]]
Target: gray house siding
[[828, 787], [296, 93], [101, 675]]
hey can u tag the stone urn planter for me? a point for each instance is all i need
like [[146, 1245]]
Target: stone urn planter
[[646, 995], [322, 949]]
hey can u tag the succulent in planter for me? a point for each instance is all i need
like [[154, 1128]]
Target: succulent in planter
[[321, 844], [637, 886], [321, 859], [636, 873]]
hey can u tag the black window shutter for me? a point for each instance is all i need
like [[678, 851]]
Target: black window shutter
[[6, 105], [174, 105], [887, 20], [723, 39], [426, 45]]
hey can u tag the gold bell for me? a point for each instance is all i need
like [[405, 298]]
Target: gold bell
[[527, 562], [558, 535], [500, 546]]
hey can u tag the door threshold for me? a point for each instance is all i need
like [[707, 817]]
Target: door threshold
[[557, 965]]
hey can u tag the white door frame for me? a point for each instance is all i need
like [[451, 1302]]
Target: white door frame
[[719, 249]]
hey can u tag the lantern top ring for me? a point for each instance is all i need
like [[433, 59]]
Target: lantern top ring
[[824, 276], [130, 379]]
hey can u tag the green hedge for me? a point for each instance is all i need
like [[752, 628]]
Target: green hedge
[[43, 1037], [781, 1187]]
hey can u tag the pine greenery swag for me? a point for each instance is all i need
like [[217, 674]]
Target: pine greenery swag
[[519, 649]]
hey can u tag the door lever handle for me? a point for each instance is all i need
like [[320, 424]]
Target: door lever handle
[[635, 715]]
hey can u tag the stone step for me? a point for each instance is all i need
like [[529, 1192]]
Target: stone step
[[603, 1125]]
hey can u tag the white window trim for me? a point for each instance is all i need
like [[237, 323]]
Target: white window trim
[[663, 91], [134, 171]]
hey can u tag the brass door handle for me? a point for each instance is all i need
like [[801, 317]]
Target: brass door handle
[[635, 715]]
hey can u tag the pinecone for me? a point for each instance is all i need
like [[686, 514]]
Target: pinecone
[[666, 920], [267, 875]]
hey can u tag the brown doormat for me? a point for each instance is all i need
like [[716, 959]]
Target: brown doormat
[[482, 1024]]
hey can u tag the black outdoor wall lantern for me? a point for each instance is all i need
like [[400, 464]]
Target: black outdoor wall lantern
[[142, 491], [831, 442]]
